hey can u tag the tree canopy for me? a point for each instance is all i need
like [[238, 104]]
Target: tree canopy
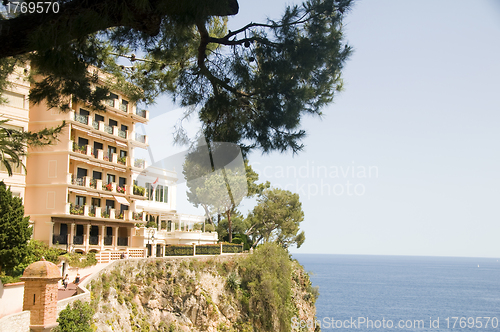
[[250, 86], [277, 218], [14, 230]]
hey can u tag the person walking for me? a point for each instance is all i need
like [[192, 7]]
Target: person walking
[[66, 281], [77, 279]]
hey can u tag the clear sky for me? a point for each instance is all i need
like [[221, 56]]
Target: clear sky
[[406, 161]]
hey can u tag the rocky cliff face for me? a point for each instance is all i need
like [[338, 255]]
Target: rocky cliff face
[[202, 294]]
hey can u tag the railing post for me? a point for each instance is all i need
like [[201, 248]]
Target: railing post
[[98, 184], [112, 213], [98, 211], [86, 181], [86, 210], [221, 248], [114, 156], [89, 150]]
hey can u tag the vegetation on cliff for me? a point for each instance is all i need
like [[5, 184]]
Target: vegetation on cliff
[[258, 292]]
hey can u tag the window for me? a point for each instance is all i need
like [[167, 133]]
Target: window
[[123, 153], [82, 141], [124, 127], [110, 204], [111, 178], [99, 118], [113, 123], [96, 201], [111, 150], [149, 191], [84, 112], [81, 172], [80, 200], [97, 175], [161, 194], [122, 181]]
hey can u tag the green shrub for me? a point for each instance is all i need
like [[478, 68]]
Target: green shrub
[[266, 288], [77, 318], [179, 250]]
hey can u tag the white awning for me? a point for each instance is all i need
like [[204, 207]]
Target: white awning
[[120, 144], [122, 200], [82, 192]]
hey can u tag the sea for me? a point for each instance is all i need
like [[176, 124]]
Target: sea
[[403, 293]]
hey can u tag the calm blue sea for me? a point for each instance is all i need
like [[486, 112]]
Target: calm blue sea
[[405, 290]]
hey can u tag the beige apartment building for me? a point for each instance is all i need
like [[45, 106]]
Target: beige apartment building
[[88, 192]]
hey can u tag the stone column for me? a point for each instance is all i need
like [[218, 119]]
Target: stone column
[[115, 237], [87, 237], [71, 234], [103, 234]]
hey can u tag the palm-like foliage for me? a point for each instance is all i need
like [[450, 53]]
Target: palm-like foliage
[[14, 143]]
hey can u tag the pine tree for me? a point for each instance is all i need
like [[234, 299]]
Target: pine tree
[[250, 86], [15, 230]]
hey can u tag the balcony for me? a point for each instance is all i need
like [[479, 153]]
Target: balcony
[[93, 240], [84, 119], [140, 163], [122, 160], [141, 113], [123, 241], [140, 138], [78, 239], [108, 129], [93, 183], [110, 102], [60, 239], [108, 240], [124, 108], [80, 148], [122, 133], [77, 181], [76, 209]]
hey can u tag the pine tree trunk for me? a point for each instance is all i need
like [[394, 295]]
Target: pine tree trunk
[[229, 228]]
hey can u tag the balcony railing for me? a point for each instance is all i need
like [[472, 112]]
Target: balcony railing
[[78, 239], [95, 124], [123, 107], [93, 184], [140, 163], [120, 190], [140, 138], [107, 186], [108, 240], [137, 216], [93, 240], [122, 160], [82, 118], [60, 239], [76, 210], [110, 102], [77, 181], [92, 211], [141, 113], [123, 241], [79, 148], [108, 129], [122, 133]]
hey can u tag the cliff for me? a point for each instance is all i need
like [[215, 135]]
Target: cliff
[[252, 292]]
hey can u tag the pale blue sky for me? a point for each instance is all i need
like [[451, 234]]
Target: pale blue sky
[[421, 106]]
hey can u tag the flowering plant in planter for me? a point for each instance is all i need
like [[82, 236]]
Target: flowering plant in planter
[[108, 187], [122, 160], [120, 190]]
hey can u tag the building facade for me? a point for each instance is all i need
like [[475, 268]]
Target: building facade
[[88, 192]]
